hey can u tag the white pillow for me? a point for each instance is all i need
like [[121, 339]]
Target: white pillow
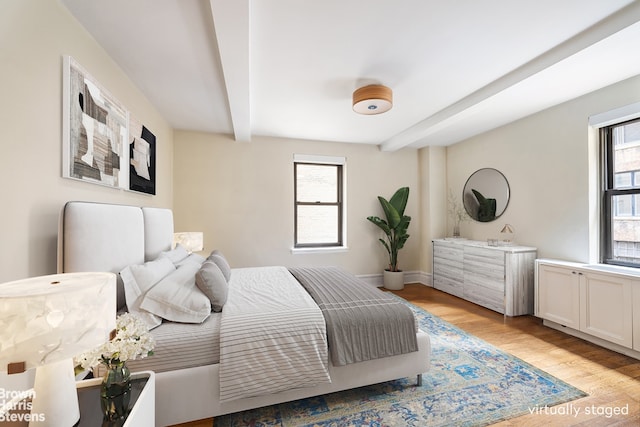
[[138, 279], [176, 255], [177, 298], [196, 258], [212, 283]]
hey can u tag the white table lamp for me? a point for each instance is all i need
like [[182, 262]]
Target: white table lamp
[[192, 241], [46, 321]]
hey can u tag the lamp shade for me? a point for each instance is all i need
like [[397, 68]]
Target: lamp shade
[[192, 241], [507, 229], [50, 318], [372, 99]]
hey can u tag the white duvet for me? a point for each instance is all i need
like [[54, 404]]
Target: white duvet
[[272, 335]]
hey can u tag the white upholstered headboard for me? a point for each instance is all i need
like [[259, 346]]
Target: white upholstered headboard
[[105, 237]]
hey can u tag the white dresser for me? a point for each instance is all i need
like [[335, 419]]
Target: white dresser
[[497, 277]]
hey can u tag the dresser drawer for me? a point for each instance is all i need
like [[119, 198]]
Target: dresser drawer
[[484, 267], [447, 263], [483, 256], [448, 285], [450, 251], [485, 297], [474, 279]]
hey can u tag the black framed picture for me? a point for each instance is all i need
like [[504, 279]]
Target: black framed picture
[[142, 155]]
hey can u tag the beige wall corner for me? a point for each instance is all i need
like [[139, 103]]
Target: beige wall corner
[[433, 198], [550, 161], [36, 36], [241, 196]]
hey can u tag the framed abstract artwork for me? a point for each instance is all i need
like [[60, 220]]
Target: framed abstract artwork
[[95, 131], [142, 154]]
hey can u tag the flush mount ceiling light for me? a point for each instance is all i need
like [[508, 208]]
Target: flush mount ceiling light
[[372, 99]]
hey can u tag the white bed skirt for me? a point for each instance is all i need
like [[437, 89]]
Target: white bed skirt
[[192, 394]]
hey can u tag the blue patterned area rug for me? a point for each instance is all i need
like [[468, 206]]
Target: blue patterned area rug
[[471, 383]]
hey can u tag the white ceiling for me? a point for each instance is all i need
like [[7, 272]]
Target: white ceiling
[[288, 68]]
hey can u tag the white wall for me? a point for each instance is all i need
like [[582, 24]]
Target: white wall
[[231, 190], [241, 196], [545, 157], [34, 36]]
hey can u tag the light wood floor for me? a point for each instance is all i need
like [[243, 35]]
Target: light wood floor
[[611, 379]]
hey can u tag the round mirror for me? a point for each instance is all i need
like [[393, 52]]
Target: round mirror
[[486, 195]]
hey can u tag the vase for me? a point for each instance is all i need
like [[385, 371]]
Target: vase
[[393, 280], [115, 391]]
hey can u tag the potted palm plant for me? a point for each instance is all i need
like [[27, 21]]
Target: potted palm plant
[[395, 229]]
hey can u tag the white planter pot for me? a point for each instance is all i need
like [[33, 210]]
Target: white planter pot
[[393, 280]]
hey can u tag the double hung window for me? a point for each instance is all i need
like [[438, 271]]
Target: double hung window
[[318, 196], [621, 193]]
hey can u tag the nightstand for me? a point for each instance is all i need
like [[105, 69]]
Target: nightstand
[[143, 405]]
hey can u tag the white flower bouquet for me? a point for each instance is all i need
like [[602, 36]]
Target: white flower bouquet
[[132, 341]]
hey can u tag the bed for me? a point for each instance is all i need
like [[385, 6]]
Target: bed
[[187, 359]]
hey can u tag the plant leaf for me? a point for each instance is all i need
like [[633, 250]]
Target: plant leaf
[[399, 200], [392, 214], [385, 245], [380, 223]]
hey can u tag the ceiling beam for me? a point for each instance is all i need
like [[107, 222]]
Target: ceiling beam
[[231, 24], [449, 116]]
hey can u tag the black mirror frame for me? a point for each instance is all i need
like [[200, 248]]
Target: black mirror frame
[[471, 202]]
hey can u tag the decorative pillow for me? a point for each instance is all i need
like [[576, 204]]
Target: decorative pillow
[[219, 259], [138, 279], [176, 255], [177, 298], [213, 284]]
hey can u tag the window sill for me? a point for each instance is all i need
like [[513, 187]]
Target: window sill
[[327, 250]]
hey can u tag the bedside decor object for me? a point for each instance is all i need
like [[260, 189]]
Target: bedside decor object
[[130, 341], [506, 235], [44, 322], [372, 99], [486, 195], [395, 228], [457, 213], [192, 241], [115, 391]]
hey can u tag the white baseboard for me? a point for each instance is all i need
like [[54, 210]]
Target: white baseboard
[[409, 277], [587, 337]]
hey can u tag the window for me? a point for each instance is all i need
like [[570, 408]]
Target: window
[[318, 196], [621, 193]]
